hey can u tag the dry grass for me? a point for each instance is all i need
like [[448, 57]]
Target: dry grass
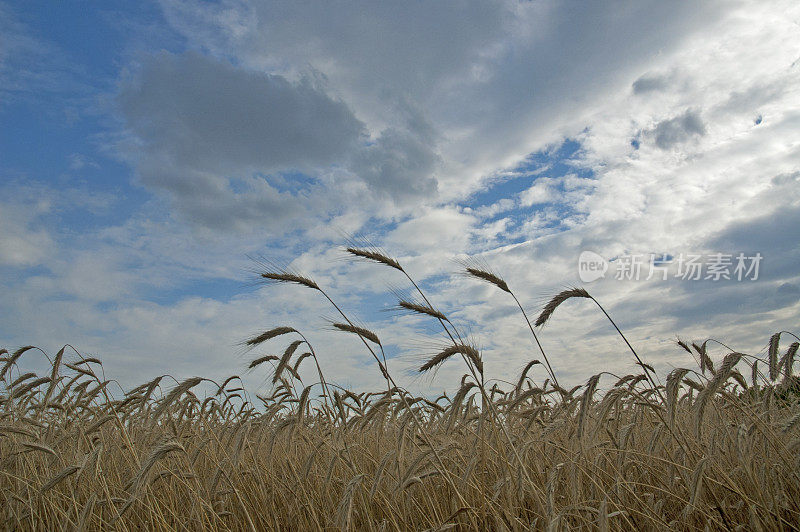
[[710, 449]]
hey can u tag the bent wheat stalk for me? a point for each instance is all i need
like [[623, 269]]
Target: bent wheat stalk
[[565, 295], [491, 278]]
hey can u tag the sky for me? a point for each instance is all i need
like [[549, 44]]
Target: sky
[[152, 152]]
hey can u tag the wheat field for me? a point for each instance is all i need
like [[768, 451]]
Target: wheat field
[[714, 447]]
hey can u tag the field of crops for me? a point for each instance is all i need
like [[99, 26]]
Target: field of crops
[[710, 447]]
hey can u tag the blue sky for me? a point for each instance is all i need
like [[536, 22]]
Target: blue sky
[[148, 149]]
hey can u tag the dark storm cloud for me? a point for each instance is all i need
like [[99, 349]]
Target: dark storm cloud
[[211, 115], [207, 133], [677, 130], [650, 83], [399, 164]]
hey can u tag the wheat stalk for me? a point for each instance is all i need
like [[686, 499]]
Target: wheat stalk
[[556, 301], [376, 256], [422, 309], [267, 335], [360, 331], [470, 352]]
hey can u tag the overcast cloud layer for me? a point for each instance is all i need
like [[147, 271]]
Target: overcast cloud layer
[[521, 132]]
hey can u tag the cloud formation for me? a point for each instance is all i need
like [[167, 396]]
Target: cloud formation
[[492, 91], [435, 128], [220, 140], [203, 128], [676, 130], [208, 114], [21, 242]]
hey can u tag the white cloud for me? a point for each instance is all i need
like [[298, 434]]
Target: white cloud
[[493, 90], [403, 114], [540, 192], [444, 230], [22, 244]]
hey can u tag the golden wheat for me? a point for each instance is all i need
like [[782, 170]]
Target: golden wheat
[[708, 450]]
